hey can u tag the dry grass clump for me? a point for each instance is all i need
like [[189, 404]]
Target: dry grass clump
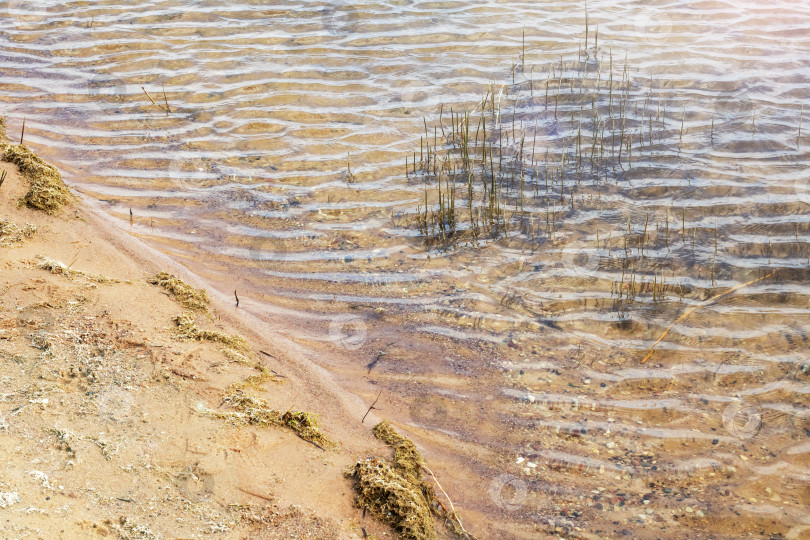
[[236, 356], [127, 528], [10, 233], [273, 522], [393, 498], [306, 426], [406, 457], [47, 191], [255, 411], [188, 329], [255, 381], [54, 267], [397, 494], [57, 267], [187, 296]]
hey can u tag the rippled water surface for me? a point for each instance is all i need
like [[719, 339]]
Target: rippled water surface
[[264, 145]]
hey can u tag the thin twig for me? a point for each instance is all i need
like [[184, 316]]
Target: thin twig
[[452, 508], [258, 496], [371, 408], [702, 305], [165, 99], [150, 97], [74, 259]]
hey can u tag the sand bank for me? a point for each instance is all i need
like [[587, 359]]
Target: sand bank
[[116, 422]]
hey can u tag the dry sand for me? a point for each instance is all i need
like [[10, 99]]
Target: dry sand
[[106, 424]]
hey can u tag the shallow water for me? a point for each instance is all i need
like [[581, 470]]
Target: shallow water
[[279, 171]]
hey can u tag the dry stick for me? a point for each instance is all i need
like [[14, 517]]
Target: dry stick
[[147, 95], [23, 132], [452, 508], [371, 408], [150, 97], [165, 99], [76, 258], [237, 298], [258, 496], [702, 305]]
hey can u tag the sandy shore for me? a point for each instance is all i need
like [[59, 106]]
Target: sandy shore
[[114, 425]]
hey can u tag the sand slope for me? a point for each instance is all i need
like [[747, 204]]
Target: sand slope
[[105, 424]]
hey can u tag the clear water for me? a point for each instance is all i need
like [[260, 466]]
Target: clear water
[[515, 364]]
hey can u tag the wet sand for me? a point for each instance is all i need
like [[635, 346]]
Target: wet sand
[[104, 424]]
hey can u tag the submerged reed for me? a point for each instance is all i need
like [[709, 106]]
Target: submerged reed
[[521, 169]]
